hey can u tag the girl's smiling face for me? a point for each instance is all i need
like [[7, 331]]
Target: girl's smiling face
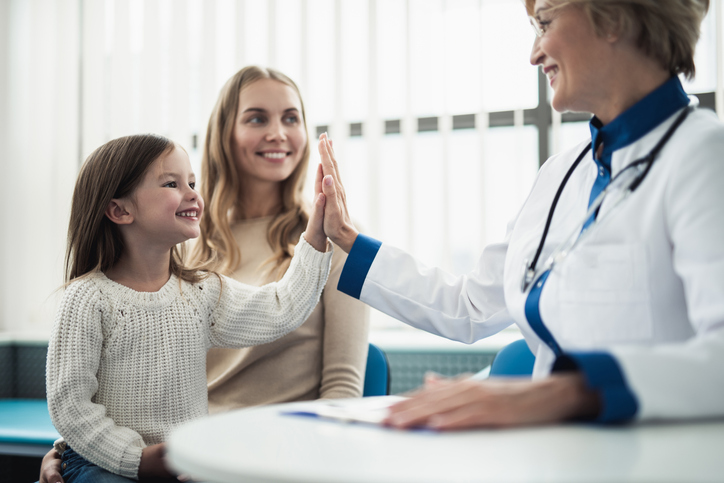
[[166, 207], [269, 136]]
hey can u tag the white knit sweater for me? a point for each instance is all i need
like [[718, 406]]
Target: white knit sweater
[[124, 367]]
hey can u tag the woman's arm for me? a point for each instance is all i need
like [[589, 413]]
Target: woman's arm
[[50, 468], [153, 462], [345, 338]]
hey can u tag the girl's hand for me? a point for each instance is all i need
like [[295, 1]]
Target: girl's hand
[[153, 462], [464, 404], [314, 234], [337, 223], [50, 468]]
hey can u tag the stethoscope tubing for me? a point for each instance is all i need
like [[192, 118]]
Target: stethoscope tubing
[[529, 269]]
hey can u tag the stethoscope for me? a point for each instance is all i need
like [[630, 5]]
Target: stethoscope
[[624, 183]]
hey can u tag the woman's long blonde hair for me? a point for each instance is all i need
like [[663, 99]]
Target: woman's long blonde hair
[[216, 249]]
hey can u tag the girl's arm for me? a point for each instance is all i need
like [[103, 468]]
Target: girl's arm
[[74, 355], [338, 224], [314, 233], [345, 338], [241, 315]]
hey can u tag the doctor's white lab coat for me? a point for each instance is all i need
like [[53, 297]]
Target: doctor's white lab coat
[[642, 296]]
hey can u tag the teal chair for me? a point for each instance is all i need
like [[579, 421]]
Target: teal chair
[[377, 373], [515, 359], [25, 427]]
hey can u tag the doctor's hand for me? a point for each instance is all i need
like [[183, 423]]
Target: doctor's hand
[[447, 404], [338, 225]]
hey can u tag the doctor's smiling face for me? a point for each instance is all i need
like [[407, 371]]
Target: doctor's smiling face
[[571, 54]]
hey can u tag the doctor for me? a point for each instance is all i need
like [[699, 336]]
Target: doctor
[[613, 268]]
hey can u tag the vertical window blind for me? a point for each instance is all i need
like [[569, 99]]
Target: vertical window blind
[[438, 119]]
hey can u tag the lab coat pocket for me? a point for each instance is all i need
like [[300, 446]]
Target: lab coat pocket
[[604, 294]]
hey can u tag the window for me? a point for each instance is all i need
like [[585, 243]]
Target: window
[[432, 104], [438, 118]]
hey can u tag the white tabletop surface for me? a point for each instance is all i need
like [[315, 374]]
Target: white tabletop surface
[[264, 445]]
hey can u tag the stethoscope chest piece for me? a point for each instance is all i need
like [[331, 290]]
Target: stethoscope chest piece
[[528, 275]]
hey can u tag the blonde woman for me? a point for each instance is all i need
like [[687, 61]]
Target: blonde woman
[[252, 177]]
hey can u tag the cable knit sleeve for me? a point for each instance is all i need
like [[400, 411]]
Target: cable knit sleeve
[[74, 354], [243, 315]]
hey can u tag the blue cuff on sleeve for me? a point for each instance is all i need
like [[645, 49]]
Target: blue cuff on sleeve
[[358, 264], [603, 374]]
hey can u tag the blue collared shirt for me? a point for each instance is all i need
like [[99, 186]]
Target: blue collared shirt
[[630, 126]]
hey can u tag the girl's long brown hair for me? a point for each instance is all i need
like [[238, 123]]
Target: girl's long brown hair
[[216, 248], [112, 171]]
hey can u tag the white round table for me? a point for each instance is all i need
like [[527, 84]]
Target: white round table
[[265, 445]]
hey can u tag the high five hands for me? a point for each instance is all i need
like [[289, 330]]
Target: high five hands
[[459, 403], [337, 223]]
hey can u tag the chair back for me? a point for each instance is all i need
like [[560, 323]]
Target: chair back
[[377, 373], [515, 359]]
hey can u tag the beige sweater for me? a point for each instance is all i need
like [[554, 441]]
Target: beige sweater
[[124, 367], [324, 358]]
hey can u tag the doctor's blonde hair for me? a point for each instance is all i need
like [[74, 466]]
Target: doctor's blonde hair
[[664, 30]]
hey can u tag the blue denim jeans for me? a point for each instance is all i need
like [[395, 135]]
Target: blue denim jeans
[[76, 469]]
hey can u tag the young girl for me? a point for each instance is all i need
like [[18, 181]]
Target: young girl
[[126, 359]]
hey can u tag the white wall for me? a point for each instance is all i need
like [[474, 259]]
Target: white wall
[[4, 72], [39, 99]]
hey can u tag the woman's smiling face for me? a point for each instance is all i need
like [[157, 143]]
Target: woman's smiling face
[[571, 54], [269, 136]]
